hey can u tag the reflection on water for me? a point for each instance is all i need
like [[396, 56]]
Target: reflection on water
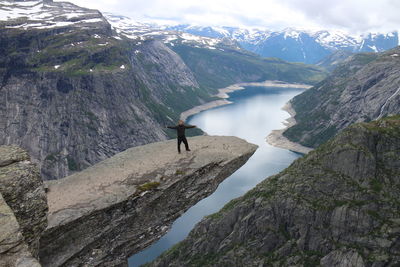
[[255, 112]]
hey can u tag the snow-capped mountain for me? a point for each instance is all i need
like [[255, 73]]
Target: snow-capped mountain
[[295, 44], [39, 14], [132, 29]]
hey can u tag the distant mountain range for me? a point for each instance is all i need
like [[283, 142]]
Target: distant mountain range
[[294, 44], [133, 29]]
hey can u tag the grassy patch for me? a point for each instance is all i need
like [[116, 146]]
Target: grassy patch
[[180, 172], [376, 185], [148, 186], [72, 164]]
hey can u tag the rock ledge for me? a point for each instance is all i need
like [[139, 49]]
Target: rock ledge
[[117, 207]]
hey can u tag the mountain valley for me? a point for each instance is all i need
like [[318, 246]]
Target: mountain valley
[[74, 91], [90, 177]]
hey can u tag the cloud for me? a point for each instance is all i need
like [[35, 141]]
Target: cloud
[[353, 15], [350, 15]]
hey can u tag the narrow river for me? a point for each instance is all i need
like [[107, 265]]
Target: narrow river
[[255, 112]]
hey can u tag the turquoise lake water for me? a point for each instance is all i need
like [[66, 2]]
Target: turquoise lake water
[[255, 112]]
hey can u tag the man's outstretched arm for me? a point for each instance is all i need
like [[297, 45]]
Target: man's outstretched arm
[[172, 127], [190, 126]]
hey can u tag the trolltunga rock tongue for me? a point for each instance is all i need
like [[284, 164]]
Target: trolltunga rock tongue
[[121, 205]]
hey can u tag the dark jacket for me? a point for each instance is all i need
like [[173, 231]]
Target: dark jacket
[[180, 129]]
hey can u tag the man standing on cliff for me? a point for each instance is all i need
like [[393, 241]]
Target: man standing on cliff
[[180, 129]]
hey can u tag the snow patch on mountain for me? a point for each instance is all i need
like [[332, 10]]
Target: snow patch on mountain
[[132, 29], [293, 44], [336, 39], [39, 15], [373, 47], [291, 33]]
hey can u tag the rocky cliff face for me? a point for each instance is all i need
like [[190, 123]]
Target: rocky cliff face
[[13, 250], [23, 208], [337, 206], [75, 91], [365, 87], [104, 214]]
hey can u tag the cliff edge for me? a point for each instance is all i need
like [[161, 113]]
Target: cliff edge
[[337, 206], [104, 214]]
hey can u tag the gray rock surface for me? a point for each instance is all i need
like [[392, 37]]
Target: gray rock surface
[[13, 249], [363, 88], [337, 206], [22, 189], [23, 208], [104, 214]]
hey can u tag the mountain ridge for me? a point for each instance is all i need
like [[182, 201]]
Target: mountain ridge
[[364, 87], [297, 45]]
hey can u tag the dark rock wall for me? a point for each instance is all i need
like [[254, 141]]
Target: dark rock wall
[[337, 206], [22, 190], [71, 118]]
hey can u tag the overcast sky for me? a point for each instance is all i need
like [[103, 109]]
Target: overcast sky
[[350, 15]]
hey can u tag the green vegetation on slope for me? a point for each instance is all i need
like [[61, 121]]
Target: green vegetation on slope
[[214, 68], [77, 53]]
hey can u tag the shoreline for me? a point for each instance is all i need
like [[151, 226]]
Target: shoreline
[[223, 95], [209, 105], [276, 138]]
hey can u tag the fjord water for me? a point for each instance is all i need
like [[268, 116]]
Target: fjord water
[[255, 112]]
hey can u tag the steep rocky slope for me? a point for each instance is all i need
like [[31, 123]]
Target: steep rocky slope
[[337, 206], [23, 208], [74, 90], [334, 60], [13, 250], [104, 214], [214, 68], [363, 88], [73, 95]]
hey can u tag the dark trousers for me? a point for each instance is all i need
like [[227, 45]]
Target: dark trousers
[[180, 140]]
